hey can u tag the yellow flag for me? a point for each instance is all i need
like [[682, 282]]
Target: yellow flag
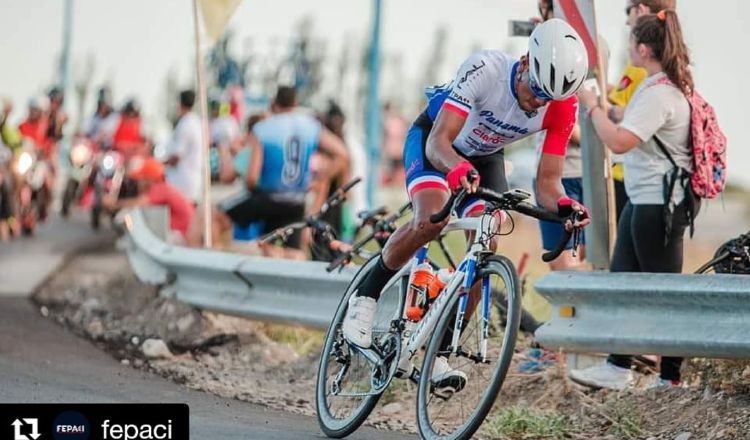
[[216, 15]]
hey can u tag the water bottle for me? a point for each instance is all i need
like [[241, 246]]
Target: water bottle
[[416, 298], [439, 282]]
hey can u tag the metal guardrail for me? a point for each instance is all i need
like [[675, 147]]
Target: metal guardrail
[[666, 314], [256, 287], [645, 313]]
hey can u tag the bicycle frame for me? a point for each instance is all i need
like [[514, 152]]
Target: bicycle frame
[[460, 283]]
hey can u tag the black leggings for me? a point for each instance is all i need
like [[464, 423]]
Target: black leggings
[[640, 248]]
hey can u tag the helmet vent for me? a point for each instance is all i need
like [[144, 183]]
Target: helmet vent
[[567, 85], [537, 68], [552, 75]]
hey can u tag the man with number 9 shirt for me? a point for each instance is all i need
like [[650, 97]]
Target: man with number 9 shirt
[[278, 172]]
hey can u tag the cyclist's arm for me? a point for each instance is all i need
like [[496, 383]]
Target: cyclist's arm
[[255, 164], [559, 121], [440, 151], [575, 136]]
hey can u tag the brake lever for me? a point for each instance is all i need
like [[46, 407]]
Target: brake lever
[[577, 231]]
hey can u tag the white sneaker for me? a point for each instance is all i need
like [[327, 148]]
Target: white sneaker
[[603, 375], [358, 321], [446, 380]]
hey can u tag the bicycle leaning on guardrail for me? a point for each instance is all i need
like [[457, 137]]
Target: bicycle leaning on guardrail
[[351, 379]]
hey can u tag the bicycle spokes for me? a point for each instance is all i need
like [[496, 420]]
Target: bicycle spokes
[[472, 345]]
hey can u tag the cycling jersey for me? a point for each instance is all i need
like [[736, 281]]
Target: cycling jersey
[[484, 92], [288, 141]]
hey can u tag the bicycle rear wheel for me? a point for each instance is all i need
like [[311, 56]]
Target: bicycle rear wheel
[[348, 386], [460, 415]]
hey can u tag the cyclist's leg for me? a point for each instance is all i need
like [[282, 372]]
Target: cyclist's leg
[[428, 191]]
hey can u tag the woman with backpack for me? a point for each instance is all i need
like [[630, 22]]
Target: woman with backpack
[[655, 138]]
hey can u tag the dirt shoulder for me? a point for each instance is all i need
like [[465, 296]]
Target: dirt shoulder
[[98, 297]]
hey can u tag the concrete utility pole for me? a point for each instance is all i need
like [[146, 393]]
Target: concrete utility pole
[[67, 41], [373, 106]]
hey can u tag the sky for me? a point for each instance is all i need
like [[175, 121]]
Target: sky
[[136, 43]]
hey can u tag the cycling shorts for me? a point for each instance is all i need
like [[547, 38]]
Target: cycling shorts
[[421, 174]]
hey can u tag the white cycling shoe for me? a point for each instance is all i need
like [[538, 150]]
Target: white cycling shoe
[[446, 380], [360, 315]]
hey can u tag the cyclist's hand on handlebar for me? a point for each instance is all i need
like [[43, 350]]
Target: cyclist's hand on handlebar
[[463, 176], [566, 207]]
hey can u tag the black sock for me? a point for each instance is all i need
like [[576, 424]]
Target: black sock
[[378, 277]]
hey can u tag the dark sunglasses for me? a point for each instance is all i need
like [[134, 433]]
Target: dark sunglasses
[[536, 89]]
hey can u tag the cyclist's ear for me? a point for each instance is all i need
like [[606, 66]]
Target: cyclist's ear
[[523, 63]]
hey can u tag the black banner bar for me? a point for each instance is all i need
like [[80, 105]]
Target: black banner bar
[[109, 421]]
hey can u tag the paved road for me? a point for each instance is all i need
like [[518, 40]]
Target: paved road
[[42, 362], [27, 261]]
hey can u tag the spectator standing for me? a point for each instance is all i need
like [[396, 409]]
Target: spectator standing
[[651, 227], [622, 93], [185, 152]]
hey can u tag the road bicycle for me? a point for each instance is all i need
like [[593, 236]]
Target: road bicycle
[[461, 326], [731, 257]]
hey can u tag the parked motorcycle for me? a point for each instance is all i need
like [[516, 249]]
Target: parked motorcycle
[[81, 167], [31, 173]]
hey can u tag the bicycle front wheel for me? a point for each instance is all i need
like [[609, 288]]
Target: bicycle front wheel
[[458, 415]]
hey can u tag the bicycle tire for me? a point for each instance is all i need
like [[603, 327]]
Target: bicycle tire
[[493, 265], [330, 425]]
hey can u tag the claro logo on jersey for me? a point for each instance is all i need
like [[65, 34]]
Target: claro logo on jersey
[[490, 118]]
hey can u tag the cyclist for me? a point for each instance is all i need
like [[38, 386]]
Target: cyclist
[[493, 101]]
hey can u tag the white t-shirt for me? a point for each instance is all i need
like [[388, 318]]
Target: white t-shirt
[[223, 131], [186, 144], [660, 110]]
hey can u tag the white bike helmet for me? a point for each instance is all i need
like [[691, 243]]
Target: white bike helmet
[[558, 62]]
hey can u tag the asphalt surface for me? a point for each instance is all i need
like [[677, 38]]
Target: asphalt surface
[[41, 362]]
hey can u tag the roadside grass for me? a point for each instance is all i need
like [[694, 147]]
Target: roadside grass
[[523, 423], [627, 421], [302, 340]]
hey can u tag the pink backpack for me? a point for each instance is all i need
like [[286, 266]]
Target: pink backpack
[[709, 148]]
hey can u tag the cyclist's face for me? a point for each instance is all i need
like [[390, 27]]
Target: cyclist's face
[[527, 99]]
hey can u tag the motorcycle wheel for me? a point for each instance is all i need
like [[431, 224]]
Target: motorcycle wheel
[[68, 196]]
